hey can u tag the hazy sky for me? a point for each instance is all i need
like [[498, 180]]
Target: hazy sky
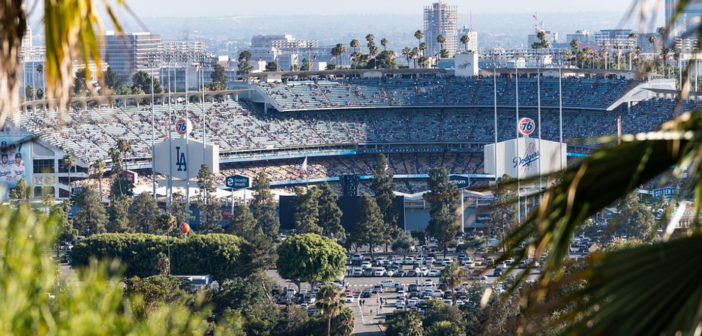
[[146, 8]]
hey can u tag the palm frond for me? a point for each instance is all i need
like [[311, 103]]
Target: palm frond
[[644, 290], [596, 182], [73, 29]]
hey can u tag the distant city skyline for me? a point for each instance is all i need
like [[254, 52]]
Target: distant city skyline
[[183, 8]]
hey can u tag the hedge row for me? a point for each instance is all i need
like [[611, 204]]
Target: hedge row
[[144, 255]]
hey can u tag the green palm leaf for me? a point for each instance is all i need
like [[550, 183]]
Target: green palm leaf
[[645, 290], [596, 182]]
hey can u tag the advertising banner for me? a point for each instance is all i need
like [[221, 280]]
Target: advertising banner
[[15, 161]]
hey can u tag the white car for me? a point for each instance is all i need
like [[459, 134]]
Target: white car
[[401, 295], [388, 283], [470, 264], [400, 304], [356, 272], [379, 272], [366, 264], [349, 299], [428, 282], [412, 302], [408, 261], [428, 261], [460, 302], [434, 273], [423, 271], [447, 302], [447, 261]]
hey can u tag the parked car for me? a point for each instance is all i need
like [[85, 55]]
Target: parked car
[[408, 260], [434, 272], [368, 272], [401, 295], [400, 273], [356, 272], [349, 299], [377, 289], [411, 273], [428, 282], [366, 293], [388, 283]]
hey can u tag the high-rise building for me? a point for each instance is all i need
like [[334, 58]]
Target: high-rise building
[[441, 19], [550, 36], [27, 38], [472, 39], [582, 36], [128, 54], [284, 49], [688, 19]]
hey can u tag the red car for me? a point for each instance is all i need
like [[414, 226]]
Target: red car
[[348, 292]]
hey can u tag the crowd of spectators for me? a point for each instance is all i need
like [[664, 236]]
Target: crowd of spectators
[[311, 94]]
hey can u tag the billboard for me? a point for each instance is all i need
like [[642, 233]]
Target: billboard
[[185, 159], [525, 157], [15, 161], [349, 210]]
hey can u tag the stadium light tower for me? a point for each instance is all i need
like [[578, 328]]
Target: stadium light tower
[[154, 59]]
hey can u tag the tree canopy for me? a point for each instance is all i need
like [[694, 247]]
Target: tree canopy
[[310, 258]]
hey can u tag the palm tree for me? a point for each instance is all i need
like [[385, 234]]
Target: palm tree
[[465, 39], [422, 47], [71, 29], [99, 167], [369, 38], [415, 55], [125, 147], [69, 162], [384, 43], [452, 275], [330, 303], [354, 44], [419, 35], [441, 39], [407, 52]]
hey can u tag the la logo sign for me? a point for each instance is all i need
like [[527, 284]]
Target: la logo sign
[[526, 126]]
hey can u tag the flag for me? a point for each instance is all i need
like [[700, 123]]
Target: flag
[[371, 57], [394, 56], [314, 58], [414, 57], [258, 60], [353, 58], [242, 60], [670, 58], [333, 58], [303, 168]]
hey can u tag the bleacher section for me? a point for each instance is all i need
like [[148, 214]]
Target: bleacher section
[[590, 93]]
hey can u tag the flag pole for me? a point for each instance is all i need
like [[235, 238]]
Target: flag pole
[[519, 208], [494, 91]]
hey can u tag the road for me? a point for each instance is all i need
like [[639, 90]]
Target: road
[[368, 324]]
